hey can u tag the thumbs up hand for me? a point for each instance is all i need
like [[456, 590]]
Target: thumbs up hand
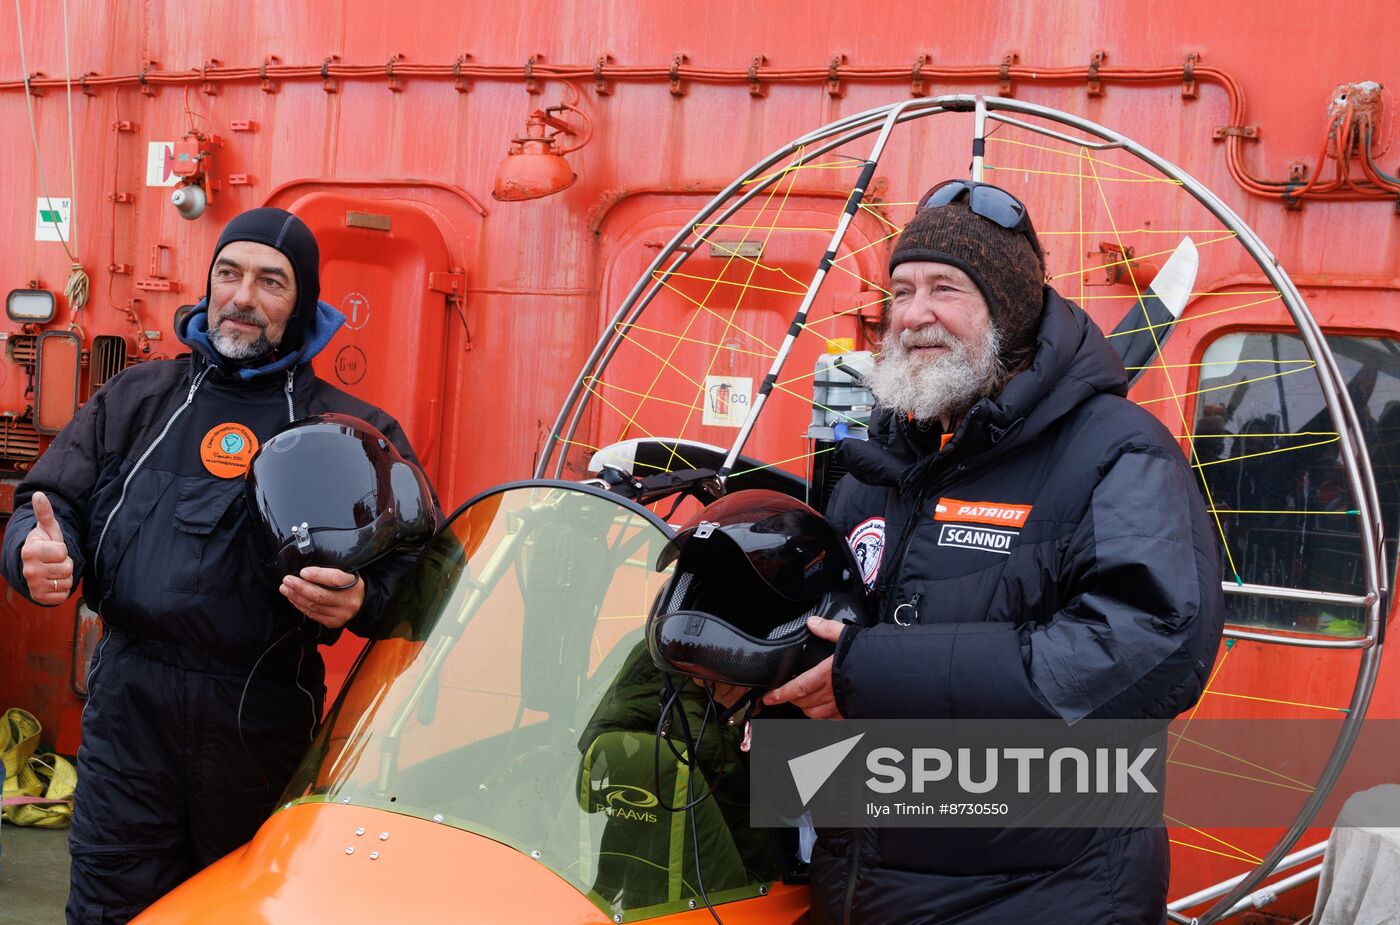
[[48, 569]]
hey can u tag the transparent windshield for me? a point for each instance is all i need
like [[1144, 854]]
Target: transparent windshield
[[516, 700]]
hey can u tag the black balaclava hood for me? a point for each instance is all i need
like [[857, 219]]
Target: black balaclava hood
[[282, 231]]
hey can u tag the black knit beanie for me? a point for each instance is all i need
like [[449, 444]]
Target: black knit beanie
[[282, 231], [1003, 263]]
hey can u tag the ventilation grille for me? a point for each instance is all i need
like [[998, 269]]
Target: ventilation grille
[[108, 359], [23, 349], [18, 439]]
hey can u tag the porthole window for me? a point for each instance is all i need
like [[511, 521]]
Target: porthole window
[[1268, 454]]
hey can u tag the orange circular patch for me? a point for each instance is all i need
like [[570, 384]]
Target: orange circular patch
[[227, 449]]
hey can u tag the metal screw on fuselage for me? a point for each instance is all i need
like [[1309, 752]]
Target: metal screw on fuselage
[[350, 850], [618, 917], [360, 830], [383, 836], [374, 855], [437, 817], [535, 855], [763, 891], [692, 904]]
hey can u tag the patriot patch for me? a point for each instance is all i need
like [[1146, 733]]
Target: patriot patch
[[992, 513], [983, 538], [868, 544]]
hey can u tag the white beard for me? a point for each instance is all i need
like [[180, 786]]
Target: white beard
[[935, 387]]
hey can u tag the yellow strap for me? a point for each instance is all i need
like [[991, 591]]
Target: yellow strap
[[52, 777], [19, 737], [29, 775]]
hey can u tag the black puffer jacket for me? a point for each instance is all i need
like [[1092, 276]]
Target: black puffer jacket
[[1053, 559], [207, 685]]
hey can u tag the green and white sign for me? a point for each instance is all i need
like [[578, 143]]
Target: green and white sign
[[51, 216]]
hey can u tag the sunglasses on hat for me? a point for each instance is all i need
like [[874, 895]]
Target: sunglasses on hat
[[993, 203]]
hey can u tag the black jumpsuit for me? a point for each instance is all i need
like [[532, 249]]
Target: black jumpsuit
[[207, 685]]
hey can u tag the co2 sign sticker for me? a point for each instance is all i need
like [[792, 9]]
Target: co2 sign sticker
[[227, 450], [727, 400]]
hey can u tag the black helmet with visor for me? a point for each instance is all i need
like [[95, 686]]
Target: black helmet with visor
[[751, 568], [330, 490]]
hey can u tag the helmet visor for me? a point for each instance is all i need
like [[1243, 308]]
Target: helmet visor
[[786, 543], [333, 480]]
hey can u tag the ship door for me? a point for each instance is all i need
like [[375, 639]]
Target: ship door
[[385, 265]]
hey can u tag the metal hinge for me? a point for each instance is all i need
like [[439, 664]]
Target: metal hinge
[[452, 282]]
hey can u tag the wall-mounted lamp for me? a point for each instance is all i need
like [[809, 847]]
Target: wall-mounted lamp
[[191, 163], [190, 201], [30, 306], [535, 166]]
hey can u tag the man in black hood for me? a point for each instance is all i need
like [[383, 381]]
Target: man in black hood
[[207, 685], [283, 248], [1036, 548]]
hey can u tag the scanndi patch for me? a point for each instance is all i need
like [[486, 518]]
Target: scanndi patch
[[983, 538]]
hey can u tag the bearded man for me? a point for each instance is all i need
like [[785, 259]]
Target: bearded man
[[207, 685], [1046, 555]]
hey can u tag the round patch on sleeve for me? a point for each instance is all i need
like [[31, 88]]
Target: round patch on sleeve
[[228, 449], [868, 544]]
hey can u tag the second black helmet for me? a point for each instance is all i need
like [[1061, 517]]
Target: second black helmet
[[750, 569]]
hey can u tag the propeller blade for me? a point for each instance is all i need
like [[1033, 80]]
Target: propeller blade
[[1148, 324]]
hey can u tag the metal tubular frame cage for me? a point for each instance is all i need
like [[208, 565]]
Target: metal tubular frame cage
[[1005, 110]]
